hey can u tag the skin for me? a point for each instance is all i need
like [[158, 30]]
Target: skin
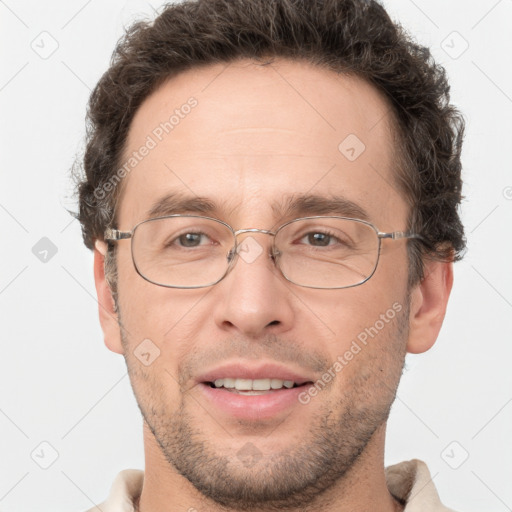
[[257, 134]]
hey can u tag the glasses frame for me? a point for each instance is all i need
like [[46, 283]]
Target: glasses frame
[[115, 235]]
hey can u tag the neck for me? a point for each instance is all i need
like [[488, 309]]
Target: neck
[[363, 487]]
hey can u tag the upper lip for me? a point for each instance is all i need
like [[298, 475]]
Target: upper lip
[[245, 371]]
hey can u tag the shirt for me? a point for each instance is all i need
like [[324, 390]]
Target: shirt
[[409, 481]]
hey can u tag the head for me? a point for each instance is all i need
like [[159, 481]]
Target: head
[[247, 108]]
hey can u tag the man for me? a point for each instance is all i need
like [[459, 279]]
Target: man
[[271, 192]]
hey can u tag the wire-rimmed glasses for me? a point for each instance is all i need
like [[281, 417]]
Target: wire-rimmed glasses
[[192, 251]]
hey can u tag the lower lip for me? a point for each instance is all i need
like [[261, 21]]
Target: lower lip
[[252, 407]]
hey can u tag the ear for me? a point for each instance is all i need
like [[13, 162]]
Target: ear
[[108, 316], [429, 299]]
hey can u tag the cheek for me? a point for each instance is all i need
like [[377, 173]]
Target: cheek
[[371, 360], [369, 326], [342, 316], [154, 316], [166, 317], [144, 306], [155, 385]]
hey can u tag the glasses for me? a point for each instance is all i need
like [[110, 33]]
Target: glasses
[[190, 251]]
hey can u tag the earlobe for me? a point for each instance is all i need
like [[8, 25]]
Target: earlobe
[[106, 307], [429, 300]]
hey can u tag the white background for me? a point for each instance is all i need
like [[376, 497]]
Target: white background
[[58, 382]]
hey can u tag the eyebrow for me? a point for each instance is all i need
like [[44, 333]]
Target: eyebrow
[[293, 206], [303, 205]]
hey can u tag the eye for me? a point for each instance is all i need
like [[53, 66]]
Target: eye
[[321, 239], [189, 239]]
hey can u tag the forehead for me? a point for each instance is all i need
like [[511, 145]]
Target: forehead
[[248, 137]]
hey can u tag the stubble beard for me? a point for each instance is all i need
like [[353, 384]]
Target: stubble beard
[[297, 475]]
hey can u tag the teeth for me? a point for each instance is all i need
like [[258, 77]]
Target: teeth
[[253, 384], [229, 383], [243, 384]]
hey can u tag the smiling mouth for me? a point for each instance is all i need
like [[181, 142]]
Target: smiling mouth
[[253, 386]]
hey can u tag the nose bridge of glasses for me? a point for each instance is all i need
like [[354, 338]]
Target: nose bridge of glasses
[[246, 245], [239, 242], [254, 230]]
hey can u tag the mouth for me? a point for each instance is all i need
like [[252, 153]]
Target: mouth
[[254, 387], [254, 393]]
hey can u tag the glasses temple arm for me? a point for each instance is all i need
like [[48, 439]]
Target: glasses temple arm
[[395, 235], [111, 235]]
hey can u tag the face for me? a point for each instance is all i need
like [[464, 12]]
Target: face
[[256, 137]]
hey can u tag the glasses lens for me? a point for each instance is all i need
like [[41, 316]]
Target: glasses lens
[[184, 251], [192, 251], [327, 252]]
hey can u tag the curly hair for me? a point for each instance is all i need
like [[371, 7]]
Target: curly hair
[[355, 37]]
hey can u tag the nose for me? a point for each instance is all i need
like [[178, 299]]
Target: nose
[[254, 298]]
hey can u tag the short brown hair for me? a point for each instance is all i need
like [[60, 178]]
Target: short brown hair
[[347, 36]]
